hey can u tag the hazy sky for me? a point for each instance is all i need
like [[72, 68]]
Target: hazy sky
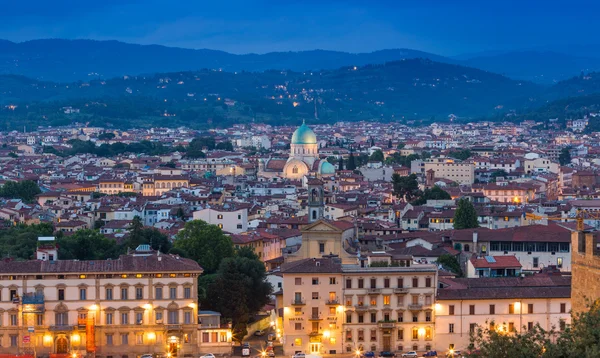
[[447, 27]]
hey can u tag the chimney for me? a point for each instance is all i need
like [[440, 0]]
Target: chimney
[[475, 238]]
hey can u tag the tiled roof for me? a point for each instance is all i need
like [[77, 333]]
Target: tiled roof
[[537, 286], [125, 263], [324, 265], [498, 262]]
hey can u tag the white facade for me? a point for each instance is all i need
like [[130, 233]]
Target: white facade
[[230, 220]]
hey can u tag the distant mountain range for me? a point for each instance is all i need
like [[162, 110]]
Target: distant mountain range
[[81, 60], [400, 90]]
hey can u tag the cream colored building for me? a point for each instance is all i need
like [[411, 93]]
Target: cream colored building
[[336, 300], [512, 304], [139, 303], [448, 168]]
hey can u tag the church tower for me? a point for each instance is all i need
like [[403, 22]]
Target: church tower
[[316, 203]]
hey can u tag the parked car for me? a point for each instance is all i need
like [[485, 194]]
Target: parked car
[[260, 332], [430, 354], [368, 354], [208, 355], [411, 354], [386, 354], [455, 354], [147, 355], [299, 355]]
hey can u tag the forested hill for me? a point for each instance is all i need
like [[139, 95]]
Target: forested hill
[[415, 88], [72, 60]]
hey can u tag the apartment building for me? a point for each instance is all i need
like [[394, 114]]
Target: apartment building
[[378, 305], [535, 246], [139, 303], [447, 168], [231, 217], [506, 305]]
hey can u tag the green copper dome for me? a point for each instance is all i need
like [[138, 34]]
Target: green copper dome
[[304, 135], [327, 168]]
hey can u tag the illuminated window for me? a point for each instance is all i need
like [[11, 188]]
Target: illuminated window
[[172, 275], [220, 226], [415, 333], [124, 275], [159, 275], [187, 274], [82, 276], [139, 275], [220, 216], [386, 299], [298, 342]]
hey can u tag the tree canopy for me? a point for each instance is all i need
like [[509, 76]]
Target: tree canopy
[[406, 187], [87, 245], [20, 241], [564, 158], [465, 216], [435, 193], [239, 289], [25, 190], [580, 339], [205, 243], [377, 156]]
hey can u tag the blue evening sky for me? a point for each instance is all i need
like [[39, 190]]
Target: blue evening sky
[[446, 27]]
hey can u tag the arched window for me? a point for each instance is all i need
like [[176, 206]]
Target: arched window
[[314, 215], [295, 170], [467, 248]]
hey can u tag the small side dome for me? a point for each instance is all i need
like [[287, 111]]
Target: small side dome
[[326, 168]]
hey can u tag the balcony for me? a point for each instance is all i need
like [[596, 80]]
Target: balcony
[[298, 302], [173, 327], [374, 291], [360, 307], [401, 290], [314, 317], [315, 333], [33, 299], [61, 328], [386, 324], [415, 307], [334, 301]]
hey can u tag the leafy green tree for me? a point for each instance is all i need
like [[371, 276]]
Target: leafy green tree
[[239, 290], [204, 243], [401, 146], [564, 158], [390, 145], [227, 146], [465, 216], [451, 263], [106, 136], [341, 163], [377, 156], [20, 241], [435, 193], [140, 235], [88, 245], [25, 190], [406, 187], [580, 339], [13, 155], [461, 154]]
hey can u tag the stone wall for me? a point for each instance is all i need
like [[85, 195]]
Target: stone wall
[[585, 257]]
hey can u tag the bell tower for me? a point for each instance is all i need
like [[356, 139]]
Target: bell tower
[[316, 203]]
